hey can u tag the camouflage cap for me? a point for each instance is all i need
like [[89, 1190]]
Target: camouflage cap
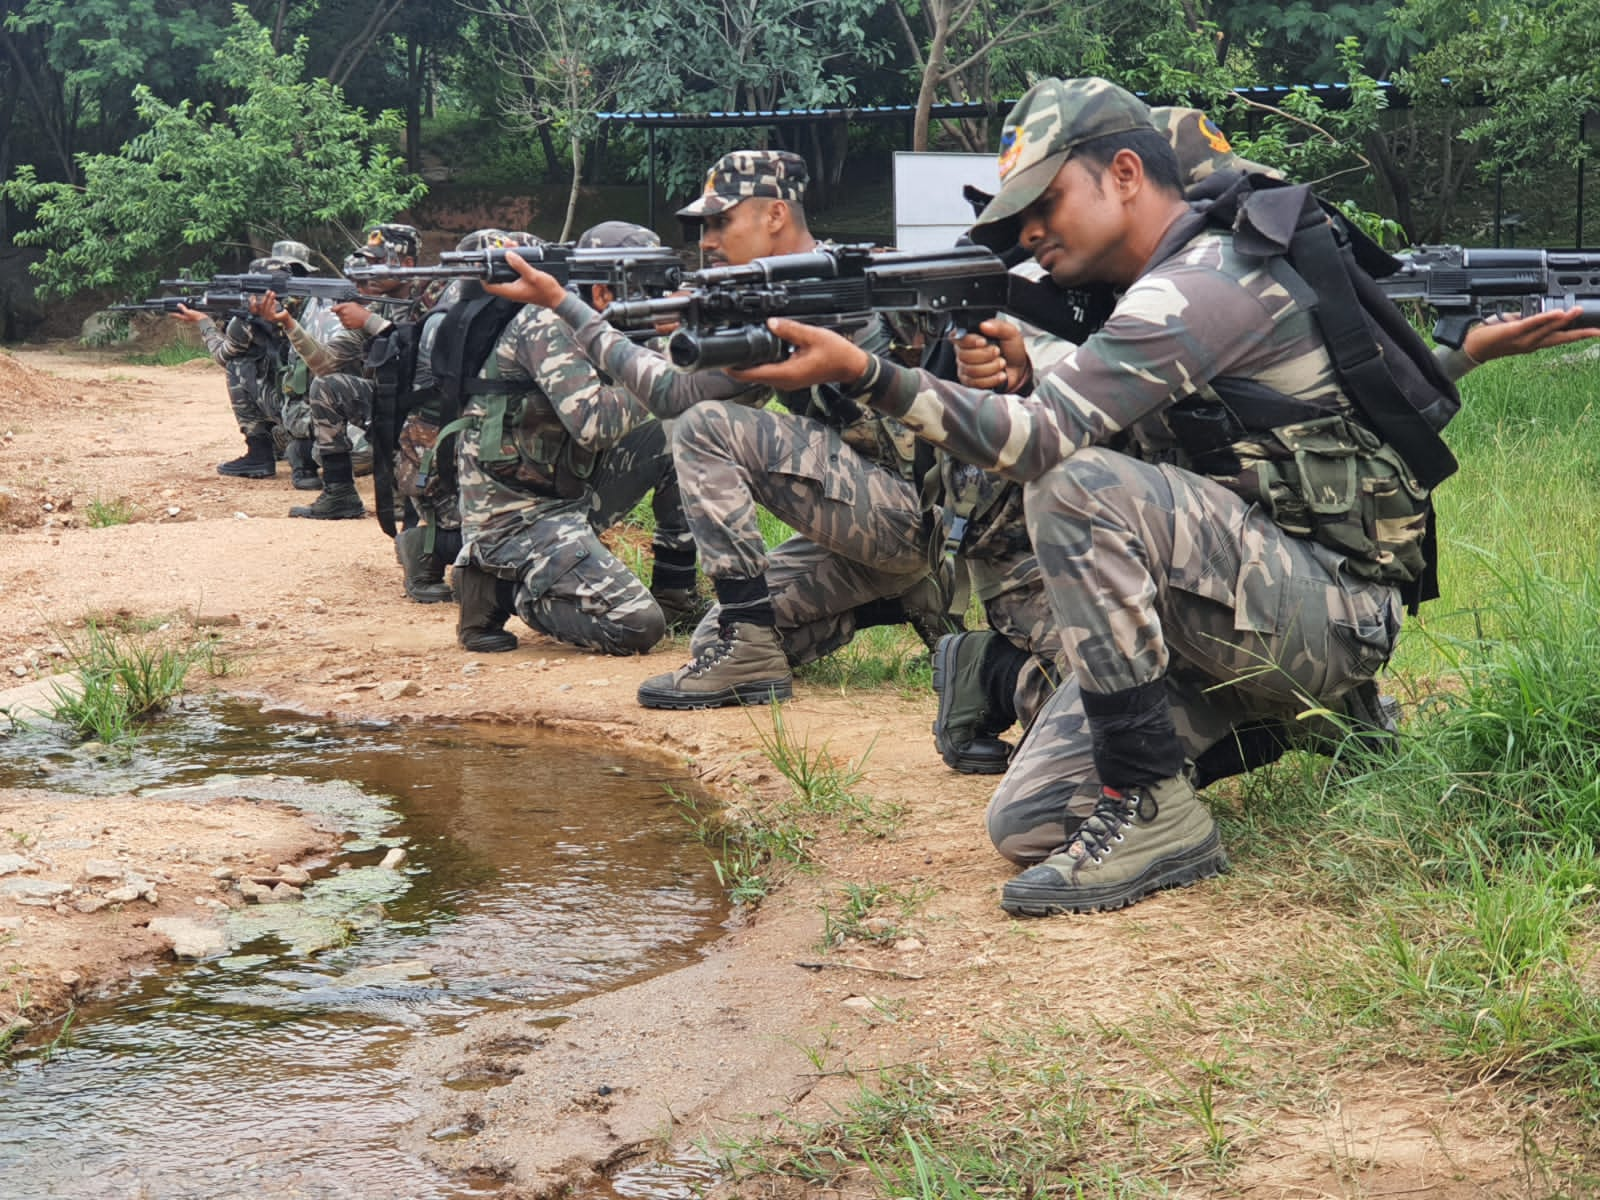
[[775, 174], [618, 234], [391, 243], [494, 239], [1202, 148], [357, 259], [1054, 116], [292, 252]]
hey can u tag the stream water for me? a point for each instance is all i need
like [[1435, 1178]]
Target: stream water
[[539, 870]]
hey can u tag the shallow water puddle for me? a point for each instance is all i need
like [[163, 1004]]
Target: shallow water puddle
[[538, 870]]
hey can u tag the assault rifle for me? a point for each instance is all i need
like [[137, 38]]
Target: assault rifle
[[259, 283], [1463, 286], [627, 270], [723, 311], [206, 302]]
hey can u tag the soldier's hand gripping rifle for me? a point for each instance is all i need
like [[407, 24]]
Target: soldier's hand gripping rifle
[[626, 270], [1464, 286], [722, 314]]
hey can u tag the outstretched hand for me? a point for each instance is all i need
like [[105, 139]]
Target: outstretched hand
[[187, 315], [820, 356], [535, 287], [1503, 336], [267, 308]]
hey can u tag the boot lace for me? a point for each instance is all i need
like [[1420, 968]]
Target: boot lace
[[1115, 811], [713, 653]]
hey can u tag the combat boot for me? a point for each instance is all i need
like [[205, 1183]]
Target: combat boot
[[487, 603], [338, 502], [303, 465], [1137, 841], [744, 665], [257, 461], [927, 605], [424, 572], [682, 608], [965, 726]]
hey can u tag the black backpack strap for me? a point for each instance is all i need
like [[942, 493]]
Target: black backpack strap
[[1325, 263]]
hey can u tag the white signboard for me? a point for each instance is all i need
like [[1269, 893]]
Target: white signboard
[[929, 211]]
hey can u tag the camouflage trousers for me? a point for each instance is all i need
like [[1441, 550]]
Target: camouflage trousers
[[1154, 573], [297, 416], [439, 499], [257, 404], [569, 586], [337, 402], [861, 534]]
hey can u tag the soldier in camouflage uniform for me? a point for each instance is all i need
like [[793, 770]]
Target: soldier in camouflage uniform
[[836, 473], [987, 680], [549, 456], [340, 394], [1185, 609], [253, 353]]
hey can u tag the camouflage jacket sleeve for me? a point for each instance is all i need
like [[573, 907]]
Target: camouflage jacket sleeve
[[1455, 363], [342, 354], [597, 415], [1176, 328], [661, 387]]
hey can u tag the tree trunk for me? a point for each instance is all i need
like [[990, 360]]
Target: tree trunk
[[415, 58], [548, 145], [572, 195], [1377, 147], [939, 13]]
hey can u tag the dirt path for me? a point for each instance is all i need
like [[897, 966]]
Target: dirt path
[[312, 614]]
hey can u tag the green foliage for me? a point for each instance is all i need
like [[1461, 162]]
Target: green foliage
[[103, 514], [1535, 62], [288, 158], [125, 678]]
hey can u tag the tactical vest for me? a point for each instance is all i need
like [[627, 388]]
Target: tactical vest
[[522, 443], [1358, 481]]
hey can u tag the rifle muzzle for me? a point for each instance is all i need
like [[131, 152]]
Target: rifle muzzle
[[748, 346]]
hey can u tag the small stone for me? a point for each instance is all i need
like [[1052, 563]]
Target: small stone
[[224, 873], [396, 688], [189, 938], [291, 874], [216, 620], [393, 859], [20, 672], [314, 604], [24, 890], [241, 516], [908, 945], [253, 891], [126, 894], [284, 892], [877, 926], [70, 979], [347, 697], [861, 1003], [99, 868], [90, 904], [173, 510], [347, 672], [17, 864], [597, 683]]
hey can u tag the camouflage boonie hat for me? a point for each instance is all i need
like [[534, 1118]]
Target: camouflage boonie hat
[[1202, 148], [391, 243], [618, 235], [290, 252], [775, 174], [257, 265], [1055, 116]]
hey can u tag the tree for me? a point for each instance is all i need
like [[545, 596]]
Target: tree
[[289, 158], [552, 47]]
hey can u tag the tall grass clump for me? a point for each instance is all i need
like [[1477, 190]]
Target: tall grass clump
[[126, 677]]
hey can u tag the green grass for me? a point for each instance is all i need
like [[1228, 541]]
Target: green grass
[[103, 514], [1452, 888], [127, 677], [171, 355]]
